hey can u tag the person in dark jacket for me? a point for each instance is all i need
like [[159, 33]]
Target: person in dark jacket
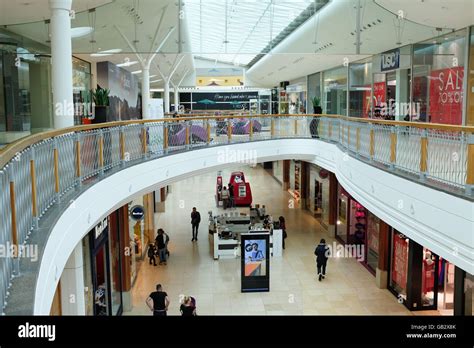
[[322, 253], [281, 219], [151, 254], [160, 242], [195, 220]]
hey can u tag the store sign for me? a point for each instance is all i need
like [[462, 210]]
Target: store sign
[[101, 227], [446, 95], [295, 88], [137, 213], [390, 60]]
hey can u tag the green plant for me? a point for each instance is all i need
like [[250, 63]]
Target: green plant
[[316, 101], [101, 96]]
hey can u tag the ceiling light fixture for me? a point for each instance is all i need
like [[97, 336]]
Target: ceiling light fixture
[[127, 64], [80, 32], [106, 52], [137, 72]]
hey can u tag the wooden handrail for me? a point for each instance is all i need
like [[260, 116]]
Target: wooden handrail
[[10, 151]]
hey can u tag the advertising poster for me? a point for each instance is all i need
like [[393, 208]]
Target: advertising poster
[[380, 93], [366, 102], [255, 258], [400, 261], [373, 233], [446, 95]]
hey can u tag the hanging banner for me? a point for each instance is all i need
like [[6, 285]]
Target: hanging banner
[[446, 95]]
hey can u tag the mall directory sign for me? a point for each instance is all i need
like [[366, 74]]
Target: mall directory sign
[[255, 262]]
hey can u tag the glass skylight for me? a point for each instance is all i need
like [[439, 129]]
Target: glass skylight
[[235, 31]]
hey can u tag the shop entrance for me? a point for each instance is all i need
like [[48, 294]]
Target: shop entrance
[[446, 286], [101, 274]]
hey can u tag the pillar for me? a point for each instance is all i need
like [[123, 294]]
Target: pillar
[[286, 175], [332, 214], [126, 259], [304, 184], [146, 92], [176, 99], [381, 272], [402, 92], [148, 205], [72, 284], [166, 97], [415, 263], [61, 63]]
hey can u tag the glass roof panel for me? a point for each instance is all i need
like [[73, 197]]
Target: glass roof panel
[[235, 31]]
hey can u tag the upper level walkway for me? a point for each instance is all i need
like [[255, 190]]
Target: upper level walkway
[[55, 186]]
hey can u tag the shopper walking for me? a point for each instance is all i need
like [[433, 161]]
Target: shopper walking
[[195, 220], [322, 253], [188, 307], [151, 254], [281, 219], [160, 242], [158, 301], [225, 197]]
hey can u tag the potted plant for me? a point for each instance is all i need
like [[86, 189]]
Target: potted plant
[[317, 106], [101, 101], [317, 110]]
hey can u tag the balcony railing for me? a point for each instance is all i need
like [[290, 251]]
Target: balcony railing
[[37, 171]]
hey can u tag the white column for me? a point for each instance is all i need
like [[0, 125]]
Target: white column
[[166, 96], [146, 92], [61, 60], [402, 92], [176, 99], [72, 284]]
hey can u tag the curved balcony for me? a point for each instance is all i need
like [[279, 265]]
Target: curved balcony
[[42, 175]]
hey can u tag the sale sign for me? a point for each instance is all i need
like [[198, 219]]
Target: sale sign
[[446, 95], [400, 261]]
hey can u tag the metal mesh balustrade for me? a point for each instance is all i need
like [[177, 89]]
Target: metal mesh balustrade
[[364, 139], [155, 139], [89, 154], [408, 149], [6, 263], [240, 129], [261, 128], [353, 126], [23, 194], [111, 139], [197, 133], [284, 127], [218, 129], [45, 182], [66, 162], [176, 135], [133, 142], [334, 125], [302, 127], [447, 157], [382, 141]]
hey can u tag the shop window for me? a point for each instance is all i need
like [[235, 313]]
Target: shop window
[[360, 89], [428, 278], [373, 231], [438, 78], [399, 264], [335, 91]]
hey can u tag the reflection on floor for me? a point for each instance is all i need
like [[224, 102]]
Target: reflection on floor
[[349, 289]]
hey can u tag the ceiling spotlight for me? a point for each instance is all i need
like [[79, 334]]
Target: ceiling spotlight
[[127, 64], [137, 72]]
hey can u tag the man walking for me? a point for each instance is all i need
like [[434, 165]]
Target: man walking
[[195, 220], [322, 253], [160, 242], [158, 302], [231, 195]]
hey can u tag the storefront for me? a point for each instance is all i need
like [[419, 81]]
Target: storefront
[[318, 202], [357, 226], [335, 91], [296, 96], [295, 180], [419, 277], [103, 269]]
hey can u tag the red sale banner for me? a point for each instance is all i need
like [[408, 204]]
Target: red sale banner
[[366, 102], [400, 261], [446, 95]]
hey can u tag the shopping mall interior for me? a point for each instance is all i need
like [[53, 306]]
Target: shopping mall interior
[[264, 158]]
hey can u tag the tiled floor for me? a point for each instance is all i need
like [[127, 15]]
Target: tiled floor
[[349, 288]]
